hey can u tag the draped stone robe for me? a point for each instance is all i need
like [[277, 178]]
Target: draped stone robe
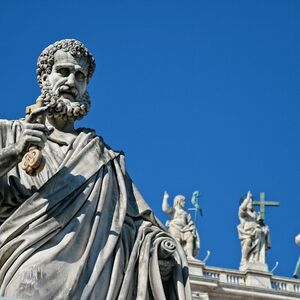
[[80, 229]]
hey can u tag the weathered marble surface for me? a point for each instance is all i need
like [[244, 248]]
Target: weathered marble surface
[[79, 228]]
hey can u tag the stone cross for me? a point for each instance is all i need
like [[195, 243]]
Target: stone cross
[[262, 203]]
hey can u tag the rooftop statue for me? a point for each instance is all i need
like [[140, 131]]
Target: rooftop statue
[[72, 223], [253, 233], [297, 268], [181, 225]]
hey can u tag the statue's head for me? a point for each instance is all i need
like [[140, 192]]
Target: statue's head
[[64, 70], [179, 201]]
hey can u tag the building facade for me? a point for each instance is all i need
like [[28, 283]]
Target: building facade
[[212, 283]]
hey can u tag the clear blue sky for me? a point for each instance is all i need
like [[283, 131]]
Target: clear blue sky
[[199, 94]]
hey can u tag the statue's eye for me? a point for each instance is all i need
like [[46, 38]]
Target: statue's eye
[[63, 72], [79, 76]]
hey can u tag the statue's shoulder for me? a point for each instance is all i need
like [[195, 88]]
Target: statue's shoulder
[[9, 131], [86, 130], [103, 144], [6, 122], [10, 124], [109, 148]]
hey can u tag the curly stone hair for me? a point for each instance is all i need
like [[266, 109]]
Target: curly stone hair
[[178, 199], [75, 48]]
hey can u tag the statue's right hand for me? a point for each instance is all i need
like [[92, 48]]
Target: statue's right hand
[[35, 115], [166, 195], [32, 135]]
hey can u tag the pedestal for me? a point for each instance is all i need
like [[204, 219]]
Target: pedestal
[[257, 274], [196, 267]]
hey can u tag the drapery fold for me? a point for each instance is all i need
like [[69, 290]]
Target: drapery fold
[[84, 233]]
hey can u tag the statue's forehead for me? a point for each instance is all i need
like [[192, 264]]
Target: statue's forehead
[[62, 57]]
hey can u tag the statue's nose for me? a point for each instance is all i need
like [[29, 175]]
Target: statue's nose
[[71, 80]]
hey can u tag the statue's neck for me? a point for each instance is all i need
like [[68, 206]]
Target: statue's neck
[[64, 130], [64, 126]]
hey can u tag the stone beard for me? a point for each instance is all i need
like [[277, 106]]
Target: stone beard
[[62, 108]]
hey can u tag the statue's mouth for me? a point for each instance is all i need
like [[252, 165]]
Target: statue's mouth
[[70, 95]]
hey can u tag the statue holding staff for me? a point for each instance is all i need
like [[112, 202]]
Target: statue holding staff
[[181, 225]]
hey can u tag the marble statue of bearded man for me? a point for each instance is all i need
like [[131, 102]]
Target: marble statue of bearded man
[[77, 228]]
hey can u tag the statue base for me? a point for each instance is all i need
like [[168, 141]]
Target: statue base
[[196, 266], [254, 266], [257, 274]]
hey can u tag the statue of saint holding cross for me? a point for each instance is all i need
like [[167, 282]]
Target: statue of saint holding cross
[[253, 232]]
